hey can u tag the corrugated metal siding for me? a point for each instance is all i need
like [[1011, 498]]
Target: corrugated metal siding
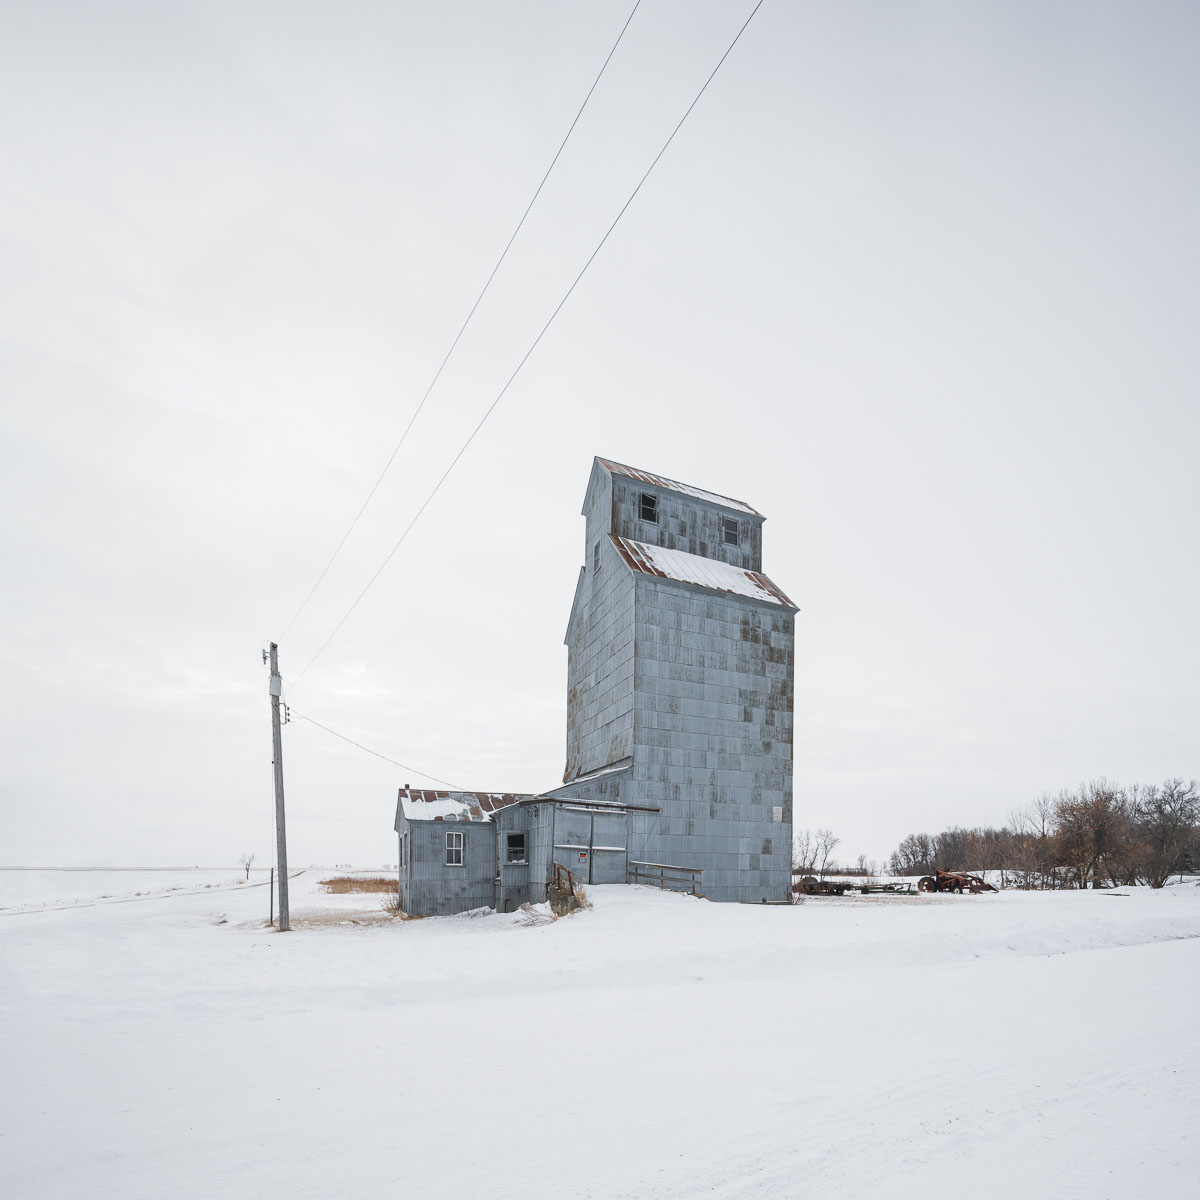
[[684, 523], [600, 656], [434, 889], [713, 737], [525, 884], [673, 485], [712, 664]]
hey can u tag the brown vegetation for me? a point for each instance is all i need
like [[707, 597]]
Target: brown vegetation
[[390, 903], [1096, 834], [342, 884]]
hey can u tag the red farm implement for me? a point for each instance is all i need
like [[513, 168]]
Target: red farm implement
[[954, 881]]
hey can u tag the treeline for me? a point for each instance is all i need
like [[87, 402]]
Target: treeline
[[1098, 833]]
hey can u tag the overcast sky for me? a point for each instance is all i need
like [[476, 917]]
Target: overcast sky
[[917, 281]]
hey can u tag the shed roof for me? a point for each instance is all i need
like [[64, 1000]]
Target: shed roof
[[702, 572], [425, 804], [671, 485]]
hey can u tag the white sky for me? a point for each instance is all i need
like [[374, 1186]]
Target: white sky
[[918, 282]]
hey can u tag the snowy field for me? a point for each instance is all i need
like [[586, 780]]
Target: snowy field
[[25, 890], [1025, 1044]]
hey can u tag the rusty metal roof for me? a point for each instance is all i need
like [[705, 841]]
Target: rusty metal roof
[[425, 804], [700, 572], [672, 485]]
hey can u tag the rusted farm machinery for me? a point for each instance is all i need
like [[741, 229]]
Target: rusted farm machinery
[[810, 885], [954, 881]]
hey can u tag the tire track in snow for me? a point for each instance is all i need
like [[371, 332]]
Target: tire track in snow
[[168, 895]]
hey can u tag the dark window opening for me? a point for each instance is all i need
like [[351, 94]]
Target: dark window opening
[[596, 558], [515, 848], [648, 508], [730, 531]]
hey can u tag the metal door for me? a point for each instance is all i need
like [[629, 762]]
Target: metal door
[[610, 847], [591, 843]]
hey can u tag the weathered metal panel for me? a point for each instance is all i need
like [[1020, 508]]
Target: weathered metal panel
[[683, 523], [713, 737], [712, 662], [435, 888], [600, 653], [661, 482]]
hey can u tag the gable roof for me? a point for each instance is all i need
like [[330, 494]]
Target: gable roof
[[426, 804], [684, 489], [709, 573]]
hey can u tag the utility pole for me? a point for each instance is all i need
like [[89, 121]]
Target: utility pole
[[280, 832]]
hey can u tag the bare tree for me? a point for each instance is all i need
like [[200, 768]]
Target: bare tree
[[247, 861], [824, 843], [914, 856], [804, 852], [1165, 819], [1093, 833]]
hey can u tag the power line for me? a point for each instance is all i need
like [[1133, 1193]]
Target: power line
[[462, 328], [525, 358], [424, 774]]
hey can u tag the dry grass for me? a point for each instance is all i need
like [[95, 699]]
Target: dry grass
[[340, 885], [390, 903]]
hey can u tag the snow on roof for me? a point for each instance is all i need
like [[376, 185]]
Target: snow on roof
[[600, 772], [701, 572], [424, 804], [672, 485]]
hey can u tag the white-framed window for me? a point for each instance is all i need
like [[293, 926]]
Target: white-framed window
[[731, 534], [403, 851], [596, 557], [648, 507], [514, 848], [454, 849]]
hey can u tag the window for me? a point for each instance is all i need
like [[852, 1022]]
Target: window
[[403, 851], [596, 558], [648, 508], [514, 848], [730, 531], [454, 849]]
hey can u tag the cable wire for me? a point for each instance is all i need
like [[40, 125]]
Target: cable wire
[[525, 358], [424, 774], [462, 329]]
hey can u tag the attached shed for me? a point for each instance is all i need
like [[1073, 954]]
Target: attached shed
[[465, 850], [448, 849]]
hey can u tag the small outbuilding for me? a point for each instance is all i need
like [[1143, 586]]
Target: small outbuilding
[[466, 850]]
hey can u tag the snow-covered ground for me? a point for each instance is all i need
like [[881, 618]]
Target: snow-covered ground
[[24, 889], [1023, 1044]]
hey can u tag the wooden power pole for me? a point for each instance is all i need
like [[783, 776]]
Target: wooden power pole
[[280, 832]]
